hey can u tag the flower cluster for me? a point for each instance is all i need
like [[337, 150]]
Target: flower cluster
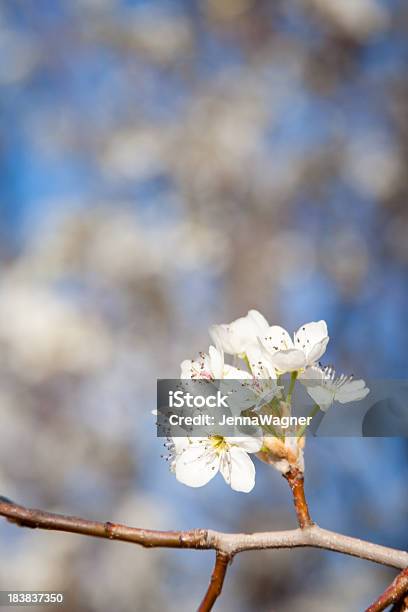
[[262, 355]]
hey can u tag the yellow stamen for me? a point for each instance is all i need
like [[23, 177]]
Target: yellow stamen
[[218, 443]]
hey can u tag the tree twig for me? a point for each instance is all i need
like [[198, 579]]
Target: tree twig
[[401, 605], [296, 482], [393, 594], [217, 580], [205, 539]]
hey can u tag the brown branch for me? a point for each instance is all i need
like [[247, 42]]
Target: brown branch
[[296, 482], [393, 594], [401, 605], [26, 517], [225, 544], [205, 539], [216, 582]]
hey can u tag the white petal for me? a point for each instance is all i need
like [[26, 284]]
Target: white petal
[[221, 336], [234, 337], [312, 338], [288, 361], [282, 466], [282, 354], [258, 320], [238, 470], [317, 351], [249, 444], [186, 368], [197, 465], [312, 375], [243, 332], [216, 362], [323, 396], [276, 338], [181, 444], [196, 368], [260, 362], [233, 373], [266, 391], [352, 391], [241, 397]]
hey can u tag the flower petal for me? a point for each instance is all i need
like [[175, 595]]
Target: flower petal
[[288, 361], [249, 444], [241, 397], [322, 395], [317, 351], [216, 358], [221, 336], [312, 338], [234, 337], [232, 373], [312, 376], [352, 391], [258, 320], [197, 465], [181, 443], [276, 338], [196, 368], [186, 368], [238, 470], [260, 362]]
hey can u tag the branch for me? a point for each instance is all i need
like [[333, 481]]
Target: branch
[[296, 481], [393, 594], [26, 517], [216, 582], [401, 605], [205, 539]]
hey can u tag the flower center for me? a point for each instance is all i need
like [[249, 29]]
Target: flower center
[[218, 443]]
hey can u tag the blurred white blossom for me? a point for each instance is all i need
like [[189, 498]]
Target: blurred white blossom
[[43, 334]]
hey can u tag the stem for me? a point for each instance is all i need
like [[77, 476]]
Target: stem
[[312, 413], [401, 605], [245, 358], [271, 430], [293, 378], [296, 482], [393, 594], [216, 582]]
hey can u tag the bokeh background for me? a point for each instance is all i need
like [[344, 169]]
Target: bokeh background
[[166, 165]]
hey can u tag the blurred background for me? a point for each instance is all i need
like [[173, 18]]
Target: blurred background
[[166, 165]]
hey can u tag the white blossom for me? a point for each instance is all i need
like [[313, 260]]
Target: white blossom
[[269, 353], [260, 363], [195, 461], [324, 388], [211, 367], [287, 355], [235, 338]]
